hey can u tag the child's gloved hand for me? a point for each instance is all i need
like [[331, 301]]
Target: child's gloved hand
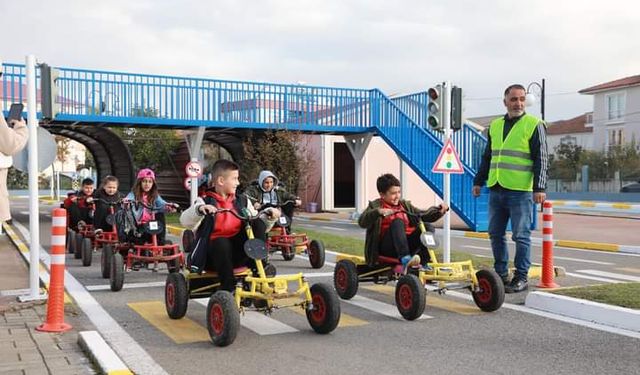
[[385, 211], [298, 202], [443, 208], [257, 205], [273, 213]]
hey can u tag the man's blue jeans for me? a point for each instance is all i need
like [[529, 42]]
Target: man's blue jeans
[[517, 205]]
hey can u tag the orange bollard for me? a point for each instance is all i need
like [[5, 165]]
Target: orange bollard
[[546, 281], [55, 304]]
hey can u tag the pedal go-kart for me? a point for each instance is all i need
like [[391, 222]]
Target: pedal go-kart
[[485, 285], [264, 293], [289, 244], [132, 256], [81, 240], [107, 240]]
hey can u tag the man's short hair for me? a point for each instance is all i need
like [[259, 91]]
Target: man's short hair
[[516, 86], [386, 182], [87, 181], [221, 166]]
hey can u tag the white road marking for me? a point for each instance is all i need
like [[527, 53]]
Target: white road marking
[[477, 247], [333, 228], [611, 275], [153, 284], [127, 348], [583, 260], [482, 256], [579, 276], [258, 322], [379, 307]]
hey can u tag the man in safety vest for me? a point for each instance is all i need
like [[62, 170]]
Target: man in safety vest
[[514, 166]]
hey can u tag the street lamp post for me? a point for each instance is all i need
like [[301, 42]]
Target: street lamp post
[[539, 91]]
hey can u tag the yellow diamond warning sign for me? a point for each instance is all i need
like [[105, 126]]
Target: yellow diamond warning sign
[[448, 160]]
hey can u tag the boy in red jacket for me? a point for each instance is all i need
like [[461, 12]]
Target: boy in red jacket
[[221, 236]]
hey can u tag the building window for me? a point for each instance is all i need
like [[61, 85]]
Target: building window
[[615, 106], [568, 140], [616, 137]]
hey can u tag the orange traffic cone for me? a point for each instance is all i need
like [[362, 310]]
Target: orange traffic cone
[[55, 304]]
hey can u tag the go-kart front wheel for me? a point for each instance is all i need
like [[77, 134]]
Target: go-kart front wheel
[[77, 252], [316, 253], [105, 261], [176, 296], [87, 252], [345, 279], [116, 272], [288, 252], [490, 295], [223, 318], [410, 297], [325, 315], [71, 240]]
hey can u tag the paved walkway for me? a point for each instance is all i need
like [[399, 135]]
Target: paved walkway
[[23, 350]]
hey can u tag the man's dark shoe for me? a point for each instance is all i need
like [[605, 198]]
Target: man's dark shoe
[[516, 285], [505, 279]]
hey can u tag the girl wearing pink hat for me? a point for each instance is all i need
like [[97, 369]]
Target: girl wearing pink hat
[[145, 191]]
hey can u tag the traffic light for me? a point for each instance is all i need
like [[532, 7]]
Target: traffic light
[[49, 91], [456, 108], [434, 107]]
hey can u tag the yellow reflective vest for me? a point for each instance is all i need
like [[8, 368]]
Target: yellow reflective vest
[[511, 164]]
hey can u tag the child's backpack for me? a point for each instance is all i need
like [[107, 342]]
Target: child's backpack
[[125, 224]]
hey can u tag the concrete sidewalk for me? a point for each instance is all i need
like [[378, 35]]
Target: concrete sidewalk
[[23, 350]]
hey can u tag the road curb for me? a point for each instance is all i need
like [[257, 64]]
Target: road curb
[[175, 231], [101, 354], [613, 316]]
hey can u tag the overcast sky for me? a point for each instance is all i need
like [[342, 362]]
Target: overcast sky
[[397, 46]]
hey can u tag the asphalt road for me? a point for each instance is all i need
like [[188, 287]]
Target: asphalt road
[[453, 338]]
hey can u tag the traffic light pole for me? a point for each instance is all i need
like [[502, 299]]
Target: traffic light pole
[[446, 188]]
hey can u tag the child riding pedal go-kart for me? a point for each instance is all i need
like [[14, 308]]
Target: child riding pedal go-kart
[[399, 248]]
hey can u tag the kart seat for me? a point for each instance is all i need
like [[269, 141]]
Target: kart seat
[[236, 271], [387, 260]]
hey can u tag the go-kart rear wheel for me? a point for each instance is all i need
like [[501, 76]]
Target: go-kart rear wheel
[[187, 240], [316, 253], [117, 272], [87, 252], [410, 297], [77, 252], [105, 261], [491, 294], [71, 241], [345, 279], [176, 296], [223, 318], [270, 270], [288, 252], [325, 315]]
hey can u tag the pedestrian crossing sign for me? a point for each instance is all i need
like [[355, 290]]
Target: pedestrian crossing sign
[[448, 160]]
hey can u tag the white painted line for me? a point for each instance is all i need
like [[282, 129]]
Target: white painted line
[[611, 275], [583, 260], [379, 307], [127, 348], [483, 256], [615, 316], [25, 213], [544, 314], [333, 228], [477, 247], [258, 322], [14, 292], [103, 356], [579, 276], [152, 284]]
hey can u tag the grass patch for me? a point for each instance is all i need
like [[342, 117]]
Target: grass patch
[[622, 294], [172, 218], [355, 246]]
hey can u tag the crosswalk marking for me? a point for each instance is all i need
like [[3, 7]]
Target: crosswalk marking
[[345, 319], [601, 279], [152, 284], [379, 307], [433, 301], [181, 331], [583, 260], [611, 275], [628, 269], [258, 322]]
